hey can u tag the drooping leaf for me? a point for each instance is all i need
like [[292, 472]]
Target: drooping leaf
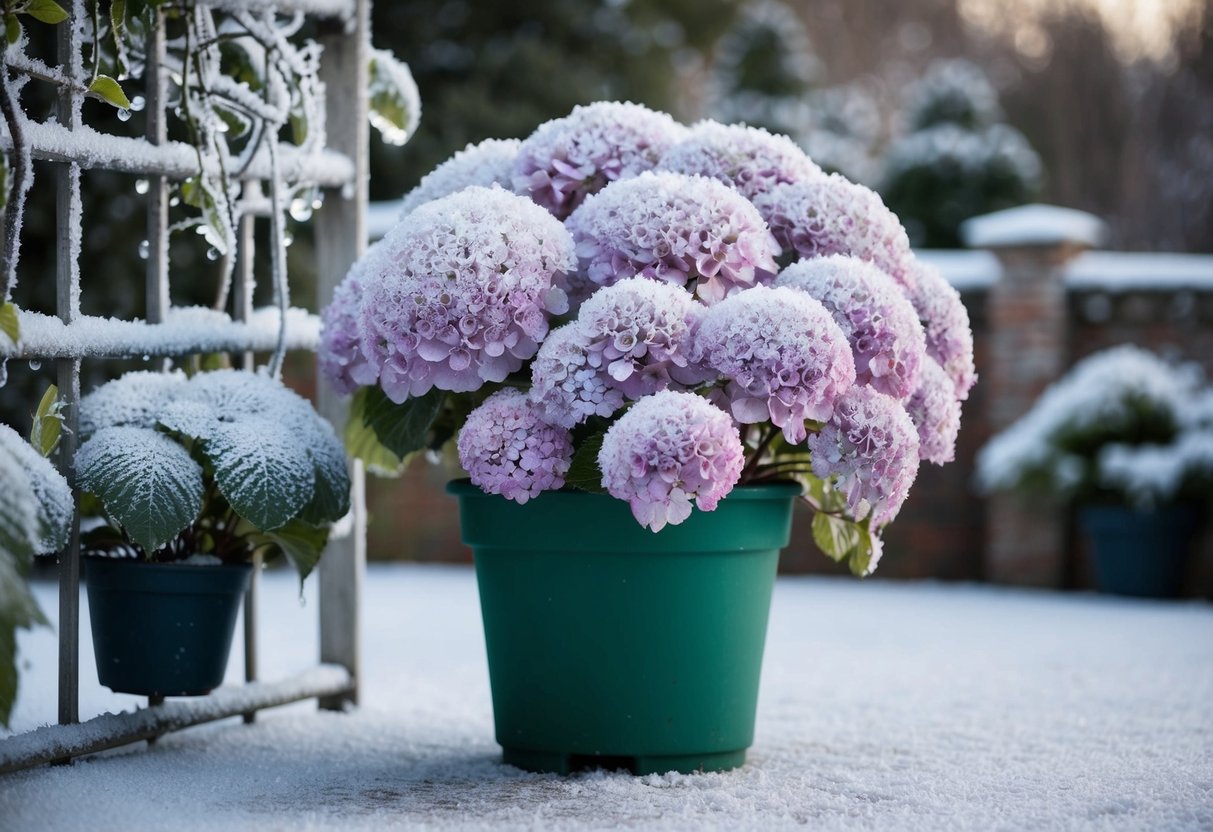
[[46, 11], [402, 428], [584, 473], [331, 498], [300, 542], [145, 480], [48, 422], [12, 28], [264, 471], [837, 536], [44, 488], [822, 495], [9, 324], [110, 90], [361, 442], [395, 104]]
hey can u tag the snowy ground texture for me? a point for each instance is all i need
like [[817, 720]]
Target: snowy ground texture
[[884, 706]]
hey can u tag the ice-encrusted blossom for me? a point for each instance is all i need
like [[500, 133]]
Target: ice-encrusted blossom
[[486, 164], [833, 215], [783, 355], [563, 384], [747, 159], [686, 230], [935, 411], [870, 449], [946, 321], [886, 338], [462, 292], [669, 449], [567, 159], [340, 355], [629, 340], [508, 449]]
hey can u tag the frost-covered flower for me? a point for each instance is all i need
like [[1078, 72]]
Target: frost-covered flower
[[486, 164], [669, 449], [508, 449], [565, 386], [340, 356], [629, 340], [462, 292], [886, 338], [748, 159], [785, 358], [936, 413], [949, 337], [870, 448], [686, 230], [567, 159], [833, 215]]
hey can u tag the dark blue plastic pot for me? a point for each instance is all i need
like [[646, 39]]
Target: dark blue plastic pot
[[163, 629], [1136, 552]]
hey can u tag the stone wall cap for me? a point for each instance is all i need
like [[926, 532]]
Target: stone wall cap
[[1033, 225]]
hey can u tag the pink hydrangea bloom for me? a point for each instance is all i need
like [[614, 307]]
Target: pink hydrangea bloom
[[669, 449], [629, 340], [486, 164], [340, 355], [949, 338], [785, 358], [685, 230], [833, 215], [507, 449], [564, 385], [935, 411], [462, 292], [567, 159], [886, 338], [870, 448], [747, 159]]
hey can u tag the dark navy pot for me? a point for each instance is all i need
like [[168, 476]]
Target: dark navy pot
[[1139, 552], [163, 629]]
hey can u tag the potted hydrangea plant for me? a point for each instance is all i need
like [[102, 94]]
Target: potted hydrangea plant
[[194, 476], [598, 318], [1127, 438]]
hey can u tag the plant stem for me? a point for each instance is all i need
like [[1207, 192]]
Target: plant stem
[[752, 464], [16, 207]]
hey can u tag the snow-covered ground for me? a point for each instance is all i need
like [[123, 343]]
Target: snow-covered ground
[[884, 706]]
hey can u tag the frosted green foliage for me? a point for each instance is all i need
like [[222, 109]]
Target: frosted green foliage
[[263, 471], [135, 399], [395, 104], [46, 489]]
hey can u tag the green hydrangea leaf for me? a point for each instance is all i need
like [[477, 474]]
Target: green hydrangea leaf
[[584, 473], [301, 543], [402, 428], [111, 91], [48, 423], [9, 324], [46, 11]]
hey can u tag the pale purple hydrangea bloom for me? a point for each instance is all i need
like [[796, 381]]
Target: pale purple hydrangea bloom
[[886, 337], [462, 292], [669, 449], [563, 384], [935, 411], [785, 358], [833, 215], [679, 229], [629, 340], [567, 159], [507, 449], [340, 355], [870, 449], [943, 315], [748, 159], [486, 164]]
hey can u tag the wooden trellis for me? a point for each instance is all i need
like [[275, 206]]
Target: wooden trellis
[[341, 169]]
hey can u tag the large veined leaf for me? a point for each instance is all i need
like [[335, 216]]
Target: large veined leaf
[[145, 480], [301, 543], [264, 471], [331, 498], [402, 428], [136, 399], [584, 473], [361, 442], [46, 490]]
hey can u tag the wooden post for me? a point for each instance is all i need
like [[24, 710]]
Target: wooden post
[[340, 240]]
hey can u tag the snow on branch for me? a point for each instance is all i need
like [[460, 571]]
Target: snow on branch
[[186, 330], [340, 9]]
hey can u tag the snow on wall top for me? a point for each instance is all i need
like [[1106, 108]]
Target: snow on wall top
[[1033, 225], [1106, 271]]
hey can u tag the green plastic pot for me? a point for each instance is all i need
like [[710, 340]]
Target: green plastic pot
[[163, 629], [612, 646]]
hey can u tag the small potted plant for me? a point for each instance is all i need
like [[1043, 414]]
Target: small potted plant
[[1126, 438], [638, 395], [35, 515], [194, 476]]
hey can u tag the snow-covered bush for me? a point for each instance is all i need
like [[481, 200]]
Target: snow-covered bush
[[955, 159], [686, 364], [1122, 426], [222, 464], [35, 512]]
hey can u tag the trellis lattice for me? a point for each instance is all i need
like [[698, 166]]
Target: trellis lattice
[[267, 169]]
